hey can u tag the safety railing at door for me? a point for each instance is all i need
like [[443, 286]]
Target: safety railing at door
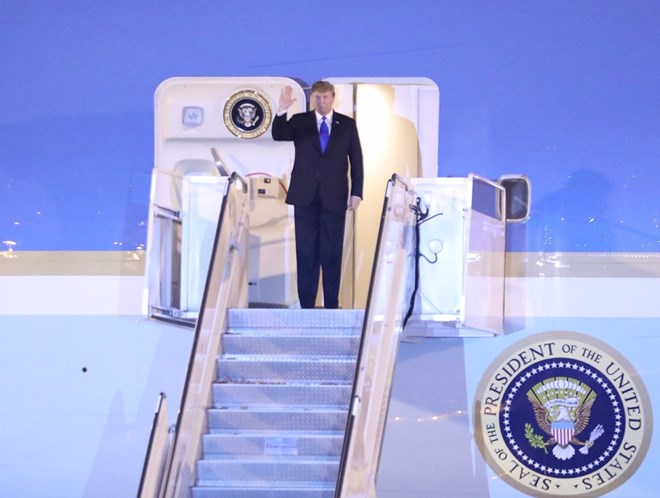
[[226, 287], [390, 290]]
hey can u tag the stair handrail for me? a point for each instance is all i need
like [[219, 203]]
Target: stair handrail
[[226, 287], [158, 452], [390, 289]]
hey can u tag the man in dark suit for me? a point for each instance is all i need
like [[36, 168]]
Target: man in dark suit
[[327, 148]]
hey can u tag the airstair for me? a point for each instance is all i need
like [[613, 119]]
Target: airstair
[[274, 397], [292, 403]]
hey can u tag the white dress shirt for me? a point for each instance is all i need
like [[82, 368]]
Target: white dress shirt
[[328, 121]]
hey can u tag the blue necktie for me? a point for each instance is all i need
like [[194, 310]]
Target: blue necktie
[[324, 135]]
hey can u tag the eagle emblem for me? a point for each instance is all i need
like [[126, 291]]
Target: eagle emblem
[[247, 115], [562, 409], [562, 413]]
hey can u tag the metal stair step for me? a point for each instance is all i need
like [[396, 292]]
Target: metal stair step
[[291, 345], [260, 470], [293, 331], [260, 369], [245, 443], [290, 319], [283, 419], [272, 490], [233, 395]]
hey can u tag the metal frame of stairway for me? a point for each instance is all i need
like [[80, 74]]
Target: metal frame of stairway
[[287, 402], [391, 293]]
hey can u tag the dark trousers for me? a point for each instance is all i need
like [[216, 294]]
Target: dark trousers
[[319, 244]]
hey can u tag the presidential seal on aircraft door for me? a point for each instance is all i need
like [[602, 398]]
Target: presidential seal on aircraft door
[[562, 414], [247, 114]]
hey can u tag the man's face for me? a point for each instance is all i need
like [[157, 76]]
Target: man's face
[[323, 101]]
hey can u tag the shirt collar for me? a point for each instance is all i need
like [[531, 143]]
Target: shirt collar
[[328, 117]]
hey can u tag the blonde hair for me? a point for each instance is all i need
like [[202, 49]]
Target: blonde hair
[[323, 86]]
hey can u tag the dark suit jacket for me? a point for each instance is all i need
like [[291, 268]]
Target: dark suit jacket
[[328, 172]]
